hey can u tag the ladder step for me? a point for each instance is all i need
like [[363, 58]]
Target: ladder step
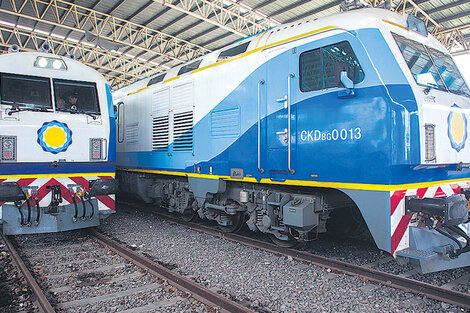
[[417, 254]]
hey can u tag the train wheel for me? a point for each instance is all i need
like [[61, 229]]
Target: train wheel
[[289, 243], [237, 223], [188, 215]]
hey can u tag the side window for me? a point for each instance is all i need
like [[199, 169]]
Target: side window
[[120, 122], [311, 74], [156, 79], [189, 67], [233, 51], [320, 68]]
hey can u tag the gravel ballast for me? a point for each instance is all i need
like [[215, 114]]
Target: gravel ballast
[[85, 276], [267, 282]]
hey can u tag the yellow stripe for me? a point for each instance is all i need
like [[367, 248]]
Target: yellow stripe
[[134, 92], [242, 55], [56, 175], [395, 24], [169, 80], [307, 183], [248, 53]]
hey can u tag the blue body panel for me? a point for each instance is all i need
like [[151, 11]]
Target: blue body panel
[[112, 126], [63, 168]]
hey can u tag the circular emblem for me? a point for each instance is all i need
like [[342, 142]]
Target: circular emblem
[[54, 137], [457, 128]]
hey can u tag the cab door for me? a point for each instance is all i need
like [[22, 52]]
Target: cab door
[[281, 79]]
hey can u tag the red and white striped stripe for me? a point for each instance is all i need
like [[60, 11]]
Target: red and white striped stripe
[[400, 222], [104, 202]]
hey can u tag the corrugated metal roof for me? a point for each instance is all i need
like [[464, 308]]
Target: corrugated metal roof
[[180, 24]]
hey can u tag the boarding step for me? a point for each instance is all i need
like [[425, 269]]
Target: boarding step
[[422, 255]]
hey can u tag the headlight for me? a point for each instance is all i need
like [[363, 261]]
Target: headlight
[[51, 63]]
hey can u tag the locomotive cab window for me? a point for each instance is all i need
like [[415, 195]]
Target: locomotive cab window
[[430, 67], [449, 72], [25, 92], [419, 62], [321, 68], [76, 97]]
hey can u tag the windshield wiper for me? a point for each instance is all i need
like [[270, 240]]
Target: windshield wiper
[[68, 110], [91, 114], [16, 108]]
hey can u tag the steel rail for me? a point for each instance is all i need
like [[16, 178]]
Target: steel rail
[[41, 298], [197, 291], [390, 280]]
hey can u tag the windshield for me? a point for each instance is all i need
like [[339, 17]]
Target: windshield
[[27, 92], [431, 67], [449, 72], [75, 96]]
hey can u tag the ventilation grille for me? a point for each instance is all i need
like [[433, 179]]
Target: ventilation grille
[[160, 133], [225, 123], [160, 124], [183, 131], [132, 133], [430, 144]]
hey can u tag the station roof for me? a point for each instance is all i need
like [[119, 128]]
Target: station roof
[[127, 40]]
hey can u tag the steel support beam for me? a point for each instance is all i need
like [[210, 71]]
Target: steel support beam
[[226, 14], [74, 17], [117, 67], [453, 39]]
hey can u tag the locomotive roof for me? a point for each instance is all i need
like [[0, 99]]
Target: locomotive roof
[[351, 20]]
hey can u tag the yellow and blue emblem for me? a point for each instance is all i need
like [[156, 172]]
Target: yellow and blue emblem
[[54, 137], [457, 128]]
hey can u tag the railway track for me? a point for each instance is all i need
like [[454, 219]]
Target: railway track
[[89, 272], [403, 282]]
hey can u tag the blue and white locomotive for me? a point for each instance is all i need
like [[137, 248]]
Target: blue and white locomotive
[[310, 126], [57, 136]]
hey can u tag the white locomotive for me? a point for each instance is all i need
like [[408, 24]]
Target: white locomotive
[[57, 153]]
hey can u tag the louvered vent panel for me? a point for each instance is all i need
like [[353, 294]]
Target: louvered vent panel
[[225, 122], [183, 131], [161, 102], [132, 133], [160, 133], [183, 98], [160, 125]]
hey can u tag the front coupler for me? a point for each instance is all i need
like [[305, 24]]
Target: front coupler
[[440, 238]]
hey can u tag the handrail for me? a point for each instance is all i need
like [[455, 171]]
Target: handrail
[[261, 82], [289, 152]]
